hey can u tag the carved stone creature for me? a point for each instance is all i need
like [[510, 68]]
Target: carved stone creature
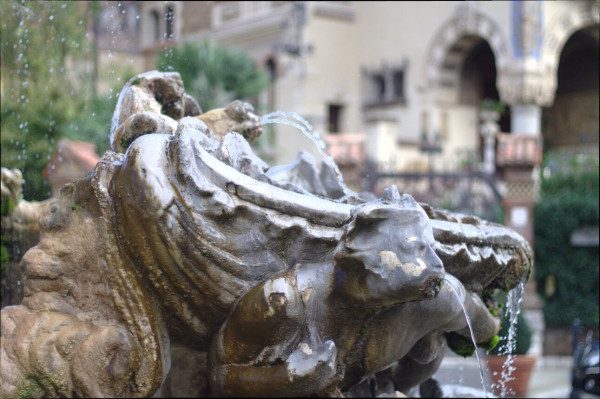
[[153, 101], [20, 232], [184, 241], [324, 326]]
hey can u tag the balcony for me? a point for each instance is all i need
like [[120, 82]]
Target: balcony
[[347, 149], [230, 14]]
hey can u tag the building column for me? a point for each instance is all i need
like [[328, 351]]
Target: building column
[[526, 118], [527, 86]]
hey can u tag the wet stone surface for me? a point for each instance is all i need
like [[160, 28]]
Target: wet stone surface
[[182, 244]]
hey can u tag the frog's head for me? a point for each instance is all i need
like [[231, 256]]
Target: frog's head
[[386, 255]]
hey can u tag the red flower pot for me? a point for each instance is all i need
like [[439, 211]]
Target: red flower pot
[[518, 385]]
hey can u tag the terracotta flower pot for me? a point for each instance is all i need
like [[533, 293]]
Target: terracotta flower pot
[[518, 385]]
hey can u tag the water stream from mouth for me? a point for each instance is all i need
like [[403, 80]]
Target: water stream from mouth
[[468, 319], [295, 120], [513, 307]]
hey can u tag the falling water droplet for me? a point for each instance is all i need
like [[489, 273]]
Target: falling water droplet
[[468, 320], [513, 307]]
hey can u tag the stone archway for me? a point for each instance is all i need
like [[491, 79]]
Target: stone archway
[[460, 43], [572, 120], [453, 42], [575, 16]]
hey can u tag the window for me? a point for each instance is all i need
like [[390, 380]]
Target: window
[[398, 82], [424, 125], [169, 17], [334, 116], [155, 18], [384, 86], [379, 85], [230, 10], [444, 125]]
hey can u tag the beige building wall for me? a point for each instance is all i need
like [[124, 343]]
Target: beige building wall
[[328, 75], [394, 31], [345, 37]]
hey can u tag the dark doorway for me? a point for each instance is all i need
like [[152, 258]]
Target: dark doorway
[[573, 118], [478, 79], [334, 116]]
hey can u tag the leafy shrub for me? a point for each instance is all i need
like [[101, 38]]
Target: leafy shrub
[[522, 337], [569, 200], [214, 75]]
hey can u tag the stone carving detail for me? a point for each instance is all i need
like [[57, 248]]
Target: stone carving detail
[[536, 83], [467, 21], [20, 232], [528, 28], [184, 241], [517, 86]]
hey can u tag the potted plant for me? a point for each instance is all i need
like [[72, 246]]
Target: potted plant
[[491, 110], [516, 385]]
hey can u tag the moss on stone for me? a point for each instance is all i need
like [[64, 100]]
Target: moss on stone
[[7, 206], [29, 389], [460, 345], [491, 344], [124, 143]]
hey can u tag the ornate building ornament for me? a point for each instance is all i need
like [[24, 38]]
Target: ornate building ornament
[[575, 16], [527, 29], [465, 24], [524, 83], [539, 81]]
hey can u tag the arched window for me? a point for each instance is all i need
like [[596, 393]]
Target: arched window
[[169, 21], [155, 17]]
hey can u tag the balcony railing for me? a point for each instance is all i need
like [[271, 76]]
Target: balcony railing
[[228, 12], [347, 148]]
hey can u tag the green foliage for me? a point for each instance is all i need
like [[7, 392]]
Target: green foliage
[[3, 261], [93, 123], [459, 344], [7, 206], [569, 200], [30, 388], [463, 346], [492, 343], [40, 88], [494, 214], [47, 88], [493, 105], [522, 337], [214, 75]]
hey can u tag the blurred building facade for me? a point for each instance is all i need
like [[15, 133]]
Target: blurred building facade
[[401, 84], [406, 72]]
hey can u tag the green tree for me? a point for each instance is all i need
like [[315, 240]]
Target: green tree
[[48, 85], [213, 74], [42, 90]]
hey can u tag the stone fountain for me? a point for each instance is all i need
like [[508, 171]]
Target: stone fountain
[[179, 266]]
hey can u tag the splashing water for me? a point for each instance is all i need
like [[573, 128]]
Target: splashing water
[[513, 307], [295, 120], [468, 319], [115, 118]]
